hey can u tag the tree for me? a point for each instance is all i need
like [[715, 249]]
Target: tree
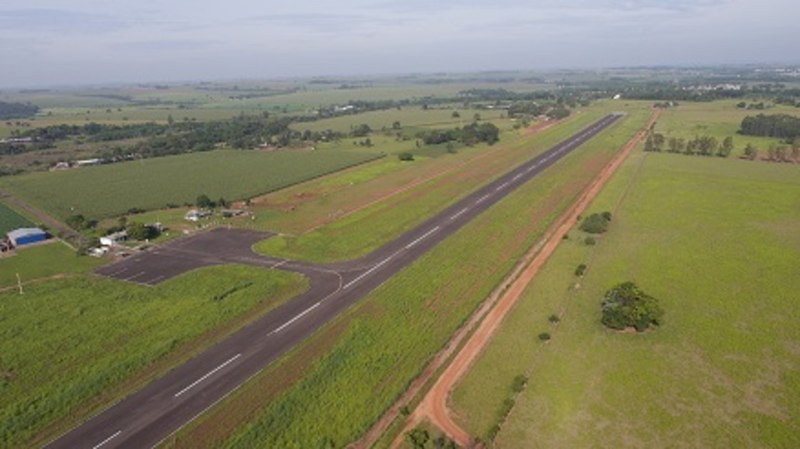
[[626, 305], [750, 151], [203, 201], [596, 223], [658, 141], [649, 143], [396, 125], [476, 117], [140, 231], [727, 147], [77, 222], [676, 144], [405, 156], [455, 114]]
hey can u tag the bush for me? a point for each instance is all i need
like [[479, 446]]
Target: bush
[[580, 269], [418, 438], [405, 156], [519, 383], [590, 241], [596, 223], [626, 305], [544, 336], [553, 318]]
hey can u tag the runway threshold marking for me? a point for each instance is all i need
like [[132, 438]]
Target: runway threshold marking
[[421, 238], [208, 374], [100, 444], [378, 265], [297, 317]]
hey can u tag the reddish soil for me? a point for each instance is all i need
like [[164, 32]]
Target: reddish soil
[[434, 405]]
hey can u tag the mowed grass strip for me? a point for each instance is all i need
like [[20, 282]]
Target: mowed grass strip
[[42, 261], [68, 347], [10, 220], [372, 352], [715, 241], [364, 231], [109, 190]]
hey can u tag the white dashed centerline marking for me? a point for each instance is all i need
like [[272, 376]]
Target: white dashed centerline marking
[[482, 199], [297, 317], [459, 213], [500, 187], [100, 444], [378, 265], [517, 176], [425, 235], [208, 374]]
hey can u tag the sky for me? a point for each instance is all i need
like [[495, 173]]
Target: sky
[[78, 42]]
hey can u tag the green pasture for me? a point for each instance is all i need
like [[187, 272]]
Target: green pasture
[[384, 341], [42, 261], [64, 343], [10, 220], [715, 241], [110, 190]]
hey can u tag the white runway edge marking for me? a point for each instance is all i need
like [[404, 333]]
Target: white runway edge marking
[[458, 214], [430, 232], [100, 444], [208, 374], [368, 272], [297, 317], [134, 276]]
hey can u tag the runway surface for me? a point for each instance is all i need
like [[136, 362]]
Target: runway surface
[[162, 407]]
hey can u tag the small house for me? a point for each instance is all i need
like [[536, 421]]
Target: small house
[[113, 239], [196, 214]]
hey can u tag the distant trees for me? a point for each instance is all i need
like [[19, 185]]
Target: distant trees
[[140, 231], [626, 305], [469, 135], [750, 152], [17, 110], [204, 202], [361, 130], [783, 126]]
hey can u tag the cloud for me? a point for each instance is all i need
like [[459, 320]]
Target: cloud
[[58, 20]]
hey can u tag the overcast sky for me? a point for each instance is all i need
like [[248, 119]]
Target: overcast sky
[[100, 41]]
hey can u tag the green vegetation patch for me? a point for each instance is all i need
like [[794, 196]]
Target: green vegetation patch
[[109, 190], [10, 220], [715, 240], [65, 342], [43, 261]]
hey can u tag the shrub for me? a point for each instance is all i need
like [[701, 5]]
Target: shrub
[[590, 241], [544, 336], [553, 318], [580, 269], [626, 305], [405, 156], [418, 438], [519, 383], [596, 223]]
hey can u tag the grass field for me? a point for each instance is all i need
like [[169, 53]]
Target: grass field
[[109, 190], [719, 119], [69, 346], [366, 230], [716, 242], [355, 367], [43, 261], [11, 219]]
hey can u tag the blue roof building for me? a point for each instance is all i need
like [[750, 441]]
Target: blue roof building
[[26, 236]]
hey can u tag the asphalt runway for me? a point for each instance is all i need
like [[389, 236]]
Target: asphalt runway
[[165, 405]]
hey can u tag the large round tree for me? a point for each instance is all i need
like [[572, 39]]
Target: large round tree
[[626, 306]]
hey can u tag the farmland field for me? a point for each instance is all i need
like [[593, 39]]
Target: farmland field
[[69, 346], [715, 241], [409, 116], [109, 190], [10, 220], [358, 364]]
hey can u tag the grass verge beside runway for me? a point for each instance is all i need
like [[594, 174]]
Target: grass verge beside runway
[[715, 240], [69, 346], [326, 392]]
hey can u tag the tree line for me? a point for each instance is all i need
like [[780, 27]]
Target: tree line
[[783, 126], [471, 134], [700, 145], [17, 110]]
